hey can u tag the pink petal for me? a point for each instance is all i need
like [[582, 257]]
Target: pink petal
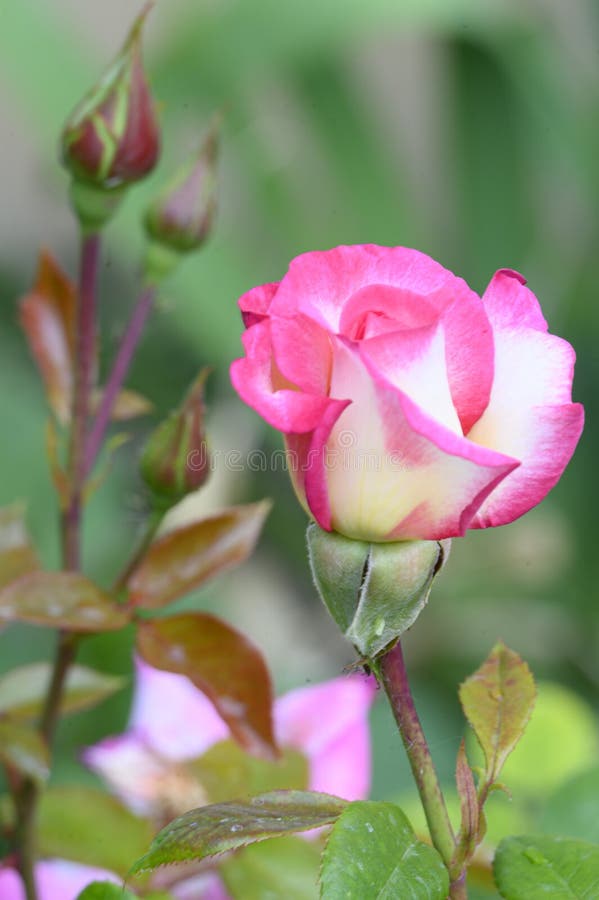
[[55, 879], [207, 886], [302, 352], [339, 287], [130, 769], [176, 720], [530, 415], [329, 723], [391, 472], [254, 304], [262, 387]]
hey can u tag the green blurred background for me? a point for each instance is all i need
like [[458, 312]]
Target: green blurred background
[[466, 128]]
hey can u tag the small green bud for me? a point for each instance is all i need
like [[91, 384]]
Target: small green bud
[[175, 460], [181, 216], [112, 138], [374, 592]]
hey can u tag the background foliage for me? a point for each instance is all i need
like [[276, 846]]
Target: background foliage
[[466, 128]]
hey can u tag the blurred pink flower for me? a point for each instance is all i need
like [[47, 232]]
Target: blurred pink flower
[[56, 879], [172, 721]]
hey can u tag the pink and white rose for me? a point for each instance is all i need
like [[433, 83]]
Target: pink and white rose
[[411, 407], [172, 721]]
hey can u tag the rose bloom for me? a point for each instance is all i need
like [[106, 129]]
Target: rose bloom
[[56, 879], [173, 722], [411, 408]]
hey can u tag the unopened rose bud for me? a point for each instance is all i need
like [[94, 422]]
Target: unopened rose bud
[[181, 217], [175, 460], [373, 591], [112, 138]]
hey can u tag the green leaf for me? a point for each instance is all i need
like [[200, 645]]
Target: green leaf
[[555, 868], [374, 592], [24, 750], [498, 701], [187, 557], [89, 827], [105, 890], [372, 851], [540, 762], [572, 811], [226, 771], [64, 600], [223, 664], [283, 867], [23, 690], [17, 554], [220, 827]]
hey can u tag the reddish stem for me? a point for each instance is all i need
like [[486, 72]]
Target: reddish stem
[[120, 367]]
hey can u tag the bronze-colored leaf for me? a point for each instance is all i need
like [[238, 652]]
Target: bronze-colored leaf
[[189, 556], [223, 664], [498, 701], [65, 600], [17, 553], [48, 314]]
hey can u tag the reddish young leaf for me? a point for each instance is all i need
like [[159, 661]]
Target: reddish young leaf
[[17, 554], [223, 664], [188, 556], [60, 600], [48, 314]]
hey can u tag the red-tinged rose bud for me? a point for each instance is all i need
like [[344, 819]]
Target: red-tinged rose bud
[[181, 217], [112, 138], [175, 460]]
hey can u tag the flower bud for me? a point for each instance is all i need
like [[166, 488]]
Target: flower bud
[[180, 218], [175, 460], [374, 592], [112, 137]]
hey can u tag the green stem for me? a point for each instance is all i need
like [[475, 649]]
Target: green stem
[[28, 796], [394, 677]]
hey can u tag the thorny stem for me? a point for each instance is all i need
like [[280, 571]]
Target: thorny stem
[[394, 678], [85, 362], [124, 355]]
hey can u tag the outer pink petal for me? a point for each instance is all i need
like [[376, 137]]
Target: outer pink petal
[[530, 414], [389, 471], [255, 304], [176, 720], [319, 284], [55, 879], [329, 723], [509, 304], [302, 352], [282, 406]]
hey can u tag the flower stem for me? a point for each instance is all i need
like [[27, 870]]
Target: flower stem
[[394, 678], [124, 355], [28, 795]]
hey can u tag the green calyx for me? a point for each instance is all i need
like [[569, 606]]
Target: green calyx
[[94, 206], [374, 592]]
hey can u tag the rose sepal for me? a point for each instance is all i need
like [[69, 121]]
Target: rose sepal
[[373, 591]]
